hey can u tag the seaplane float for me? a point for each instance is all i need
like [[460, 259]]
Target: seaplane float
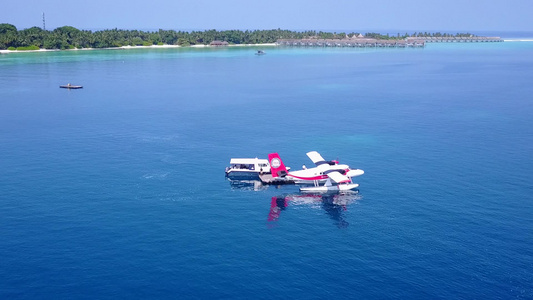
[[326, 176]]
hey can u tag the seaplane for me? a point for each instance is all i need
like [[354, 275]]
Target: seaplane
[[334, 176]]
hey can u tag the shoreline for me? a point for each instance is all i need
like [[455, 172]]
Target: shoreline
[[192, 46], [140, 47]]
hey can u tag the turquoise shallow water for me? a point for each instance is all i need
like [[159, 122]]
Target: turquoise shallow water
[[117, 190]]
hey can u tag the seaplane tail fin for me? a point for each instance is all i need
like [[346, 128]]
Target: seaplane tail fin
[[277, 167]]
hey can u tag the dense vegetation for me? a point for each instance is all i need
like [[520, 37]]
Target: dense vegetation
[[68, 37]]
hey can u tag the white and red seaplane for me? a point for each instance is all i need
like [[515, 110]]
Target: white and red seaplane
[[334, 176]]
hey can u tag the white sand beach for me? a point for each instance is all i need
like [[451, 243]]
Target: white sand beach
[[139, 47], [23, 51]]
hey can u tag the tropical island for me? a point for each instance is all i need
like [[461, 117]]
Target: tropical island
[[68, 37]]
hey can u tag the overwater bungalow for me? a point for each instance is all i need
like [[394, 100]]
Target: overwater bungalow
[[363, 42], [352, 42]]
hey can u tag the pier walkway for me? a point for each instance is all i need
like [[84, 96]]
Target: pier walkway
[[412, 42], [472, 39], [268, 179]]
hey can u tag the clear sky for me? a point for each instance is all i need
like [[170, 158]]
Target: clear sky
[[354, 15]]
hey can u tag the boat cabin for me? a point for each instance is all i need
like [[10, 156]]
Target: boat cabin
[[247, 168]]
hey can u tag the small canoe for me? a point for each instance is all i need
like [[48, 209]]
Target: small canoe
[[70, 86]]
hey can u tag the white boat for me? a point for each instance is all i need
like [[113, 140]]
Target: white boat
[[247, 168]]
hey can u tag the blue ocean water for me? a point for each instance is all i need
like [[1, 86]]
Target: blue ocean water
[[117, 190]]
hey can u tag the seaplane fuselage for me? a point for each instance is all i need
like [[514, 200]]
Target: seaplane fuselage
[[312, 174]]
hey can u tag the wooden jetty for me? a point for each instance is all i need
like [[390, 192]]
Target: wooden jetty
[[268, 179], [353, 42], [459, 39], [361, 42], [70, 86]]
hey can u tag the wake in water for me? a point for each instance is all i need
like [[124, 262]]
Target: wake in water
[[155, 175]]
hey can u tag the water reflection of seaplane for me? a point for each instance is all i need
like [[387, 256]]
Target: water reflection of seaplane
[[336, 177], [333, 204]]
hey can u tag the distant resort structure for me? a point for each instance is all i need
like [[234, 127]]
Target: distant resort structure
[[363, 42], [461, 39], [219, 43]]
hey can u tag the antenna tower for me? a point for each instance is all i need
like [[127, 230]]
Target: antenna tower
[[44, 24]]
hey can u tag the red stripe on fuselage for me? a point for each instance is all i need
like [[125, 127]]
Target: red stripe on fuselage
[[309, 178]]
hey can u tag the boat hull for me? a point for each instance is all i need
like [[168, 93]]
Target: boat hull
[[242, 175]]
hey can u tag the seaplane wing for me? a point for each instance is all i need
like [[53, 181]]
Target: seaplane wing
[[316, 158], [323, 168], [337, 177]]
